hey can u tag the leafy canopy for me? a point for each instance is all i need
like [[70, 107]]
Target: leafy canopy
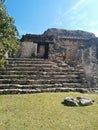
[[8, 34]]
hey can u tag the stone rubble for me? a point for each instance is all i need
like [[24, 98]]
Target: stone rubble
[[79, 101]]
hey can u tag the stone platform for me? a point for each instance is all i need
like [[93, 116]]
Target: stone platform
[[27, 75]]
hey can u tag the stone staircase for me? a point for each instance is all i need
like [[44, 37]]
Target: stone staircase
[[26, 75]]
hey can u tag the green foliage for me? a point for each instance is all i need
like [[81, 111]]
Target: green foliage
[[8, 34], [46, 112], [2, 1]]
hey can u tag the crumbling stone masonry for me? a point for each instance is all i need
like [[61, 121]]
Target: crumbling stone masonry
[[76, 48]]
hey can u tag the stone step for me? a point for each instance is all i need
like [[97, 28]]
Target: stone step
[[33, 86], [44, 66], [26, 75], [28, 91], [21, 91], [40, 86], [38, 81], [72, 85], [38, 76], [27, 62], [20, 65], [18, 91], [29, 59], [29, 65], [25, 72], [62, 65], [34, 68]]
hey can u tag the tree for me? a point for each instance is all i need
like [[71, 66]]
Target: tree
[[8, 34], [2, 1]]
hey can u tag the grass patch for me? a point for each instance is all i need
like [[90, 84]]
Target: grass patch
[[46, 112]]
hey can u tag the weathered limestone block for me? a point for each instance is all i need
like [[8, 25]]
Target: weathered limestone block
[[28, 49], [69, 101], [85, 101], [80, 101]]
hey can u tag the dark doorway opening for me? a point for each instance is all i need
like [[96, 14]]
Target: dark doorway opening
[[43, 50], [46, 51]]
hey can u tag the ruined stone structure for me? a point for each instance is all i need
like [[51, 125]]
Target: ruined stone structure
[[58, 60], [41, 43], [76, 48]]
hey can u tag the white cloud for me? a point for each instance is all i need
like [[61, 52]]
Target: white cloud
[[72, 15], [59, 23], [75, 7], [77, 20], [93, 23], [95, 32], [77, 17]]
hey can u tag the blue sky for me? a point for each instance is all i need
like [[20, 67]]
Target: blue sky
[[36, 16]]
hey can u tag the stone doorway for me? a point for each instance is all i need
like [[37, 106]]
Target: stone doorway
[[43, 50]]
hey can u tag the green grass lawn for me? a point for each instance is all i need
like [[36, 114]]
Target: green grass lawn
[[45, 111]]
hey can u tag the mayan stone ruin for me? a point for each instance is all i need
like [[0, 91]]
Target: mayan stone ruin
[[57, 60]]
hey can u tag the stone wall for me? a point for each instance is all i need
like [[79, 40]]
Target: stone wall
[[28, 49], [78, 51], [70, 50], [74, 47]]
